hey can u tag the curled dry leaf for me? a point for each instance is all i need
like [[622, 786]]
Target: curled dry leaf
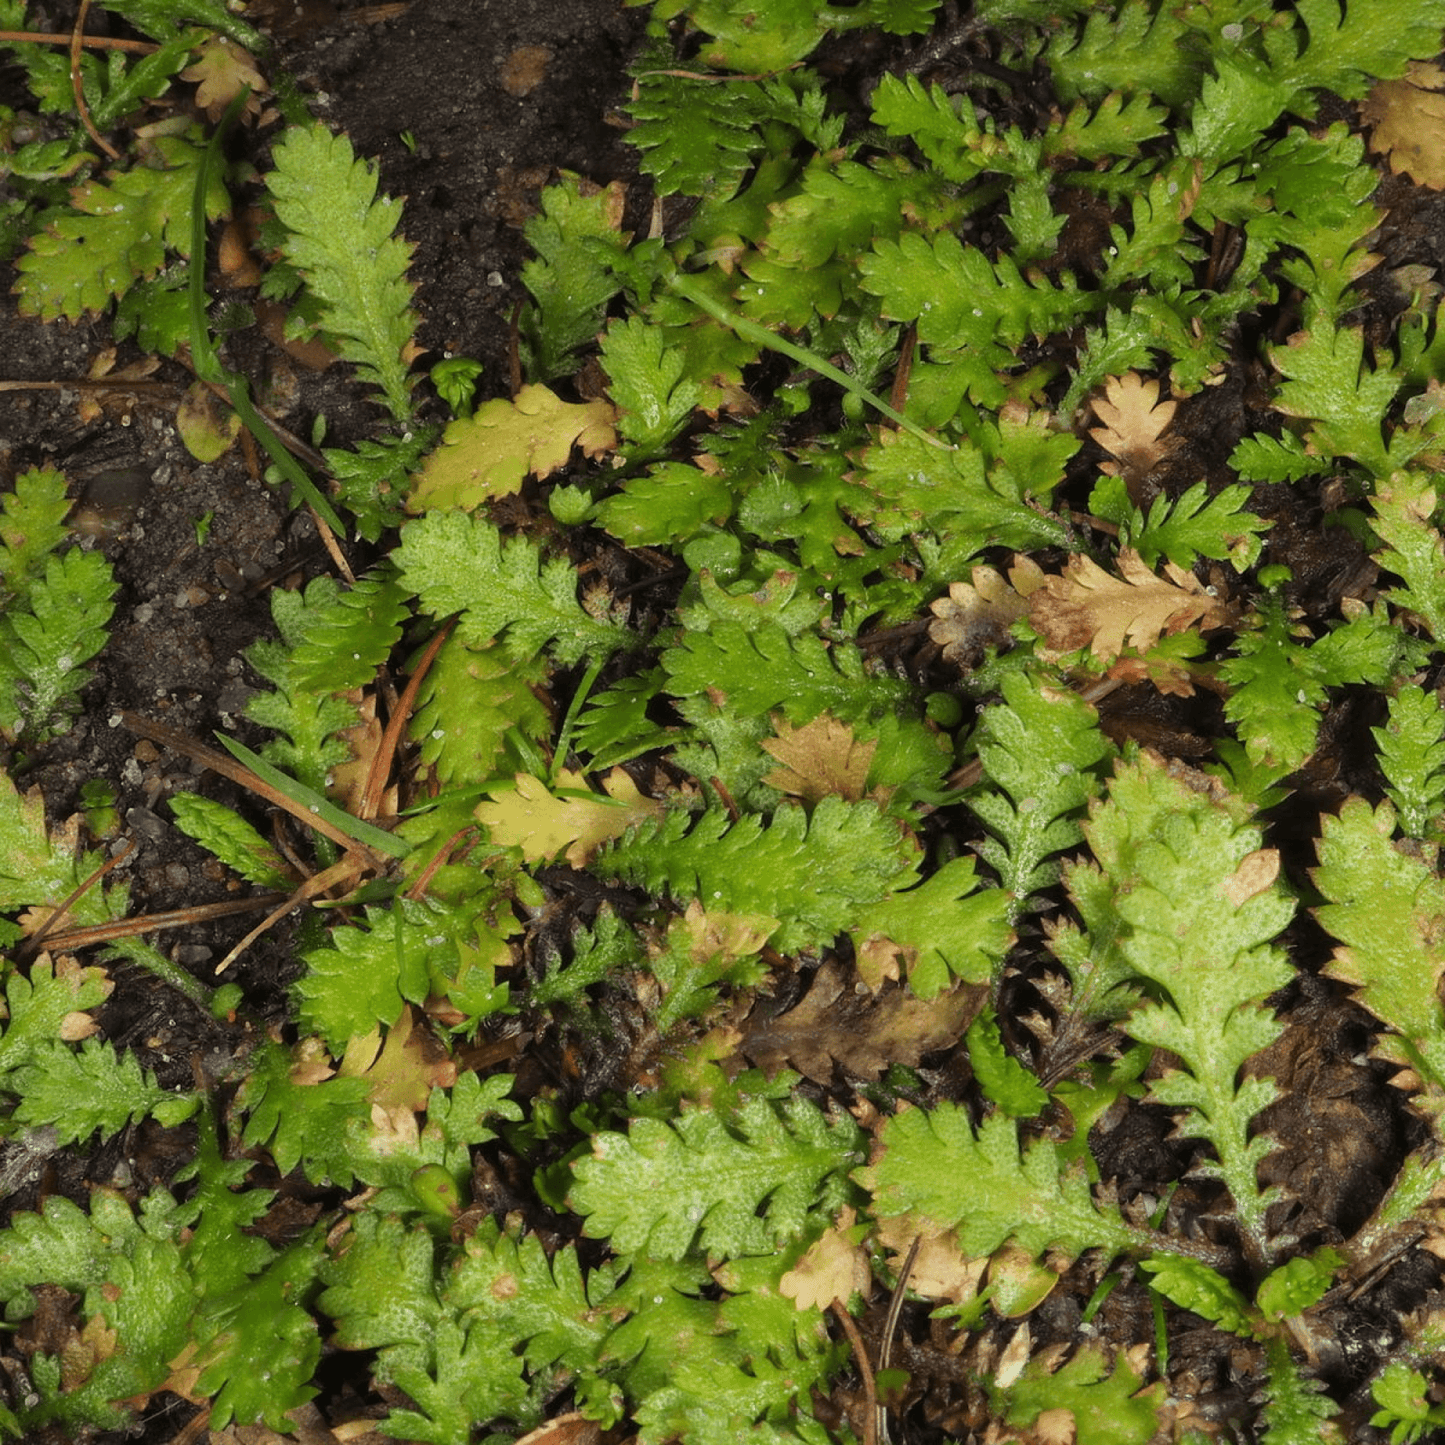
[[1135, 421], [1087, 607], [974, 617], [1407, 123]]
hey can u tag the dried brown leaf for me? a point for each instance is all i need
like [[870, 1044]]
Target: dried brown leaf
[[820, 758], [1135, 421], [1407, 123], [865, 1033], [1087, 607], [833, 1268], [977, 616]]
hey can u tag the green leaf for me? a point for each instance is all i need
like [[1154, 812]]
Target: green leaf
[[754, 668], [114, 234], [1383, 906], [1297, 1284], [258, 1347], [1194, 1286], [1041, 749], [576, 235], [300, 1111], [1279, 685], [131, 1276], [747, 37], [1351, 46], [1403, 1396], [364, 976], [160, 18], [32, 525], [1198, 525], [1107, 1408], [43, 648], [349, 635], [1404, 506], [959, 298], [670, 504], [308, 719], [373, 478], [33, 870], [91, 1089], [943, 928], [1412, 757], [935, 1165], [460, 563], [810, 878], [39, 1006], [467, 704], [1201, 901], [1327, 382], [382, 1292], [944, 127], [1137, 46], [912, 487], [342, 239], [697, 137], [730, 1187], [1008, 1085], [1297, 1407], [1263, 458], [232, 839], [647, 385]]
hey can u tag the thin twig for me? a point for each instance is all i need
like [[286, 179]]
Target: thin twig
[[77, 85], [381, 764], [173, 738], [76, 938], [93, 42], [870, 1392], [890, 1326], [31, 946]]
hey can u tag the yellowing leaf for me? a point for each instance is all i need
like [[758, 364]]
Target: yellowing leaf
[[1088, 607], [720, 934], [1407, 123], [973, 618], [489, 453], [543, 825], [401, 1075], [1134, 423], [819, 758]]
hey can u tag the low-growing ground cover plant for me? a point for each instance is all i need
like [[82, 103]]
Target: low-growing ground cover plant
[[857, 783]]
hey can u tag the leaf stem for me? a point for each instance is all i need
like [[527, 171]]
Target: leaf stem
[[761, 336], [203, 351]]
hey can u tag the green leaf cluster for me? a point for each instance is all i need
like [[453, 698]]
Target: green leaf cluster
[[342, 239], [54, 608]]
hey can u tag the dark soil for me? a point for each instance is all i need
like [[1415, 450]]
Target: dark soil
[[470, 107]]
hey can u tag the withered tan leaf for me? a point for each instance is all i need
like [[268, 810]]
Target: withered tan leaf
[[835, 1267], [976, 616], [1087, 607], [820, 758], [1135, 421], [1407, 123]]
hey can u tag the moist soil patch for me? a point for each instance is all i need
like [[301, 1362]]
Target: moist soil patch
[[470, 107]]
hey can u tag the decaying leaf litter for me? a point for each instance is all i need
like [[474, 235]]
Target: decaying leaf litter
[[747, 695]]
